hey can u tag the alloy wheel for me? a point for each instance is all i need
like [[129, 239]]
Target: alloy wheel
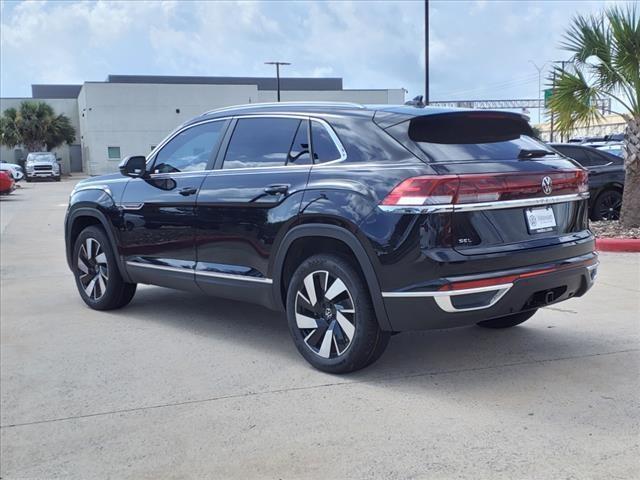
[[609, 206], [325, 314], [93, 270]]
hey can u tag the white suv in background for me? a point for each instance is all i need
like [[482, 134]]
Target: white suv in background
[[42, 165]]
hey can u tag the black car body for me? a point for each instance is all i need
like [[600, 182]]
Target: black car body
[[428, 218], [606, 178]]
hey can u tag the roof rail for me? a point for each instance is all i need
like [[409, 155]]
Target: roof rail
[[275, 104]]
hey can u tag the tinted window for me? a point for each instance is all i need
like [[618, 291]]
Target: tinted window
[[469, 136], [596, 159], [578, 154], [299, 154], [324, 149], [261, 142], [190, 150]]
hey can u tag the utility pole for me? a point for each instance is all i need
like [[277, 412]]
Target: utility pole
[[562, 63], [426, 52], [277, 64], [539, 69]]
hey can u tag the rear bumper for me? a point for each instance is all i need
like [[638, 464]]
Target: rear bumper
[[508, 292]]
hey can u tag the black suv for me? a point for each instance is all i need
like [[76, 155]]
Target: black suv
[[357, 221]]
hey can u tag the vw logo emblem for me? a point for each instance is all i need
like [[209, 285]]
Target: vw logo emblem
[[547, 185]]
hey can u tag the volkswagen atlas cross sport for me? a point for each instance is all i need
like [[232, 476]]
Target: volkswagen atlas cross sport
[[357, 221]]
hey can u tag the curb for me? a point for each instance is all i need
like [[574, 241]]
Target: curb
[[618, 244]]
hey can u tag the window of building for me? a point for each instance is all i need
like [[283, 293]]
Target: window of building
[[324, 148], [261, 142], [113, 153], [190, 150]]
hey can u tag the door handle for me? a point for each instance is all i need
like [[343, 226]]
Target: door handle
[[186, 191], [276, 189]]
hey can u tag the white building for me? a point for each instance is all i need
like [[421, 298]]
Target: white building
[[129, 115]]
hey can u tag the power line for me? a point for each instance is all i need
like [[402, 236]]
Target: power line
[[503, 84]]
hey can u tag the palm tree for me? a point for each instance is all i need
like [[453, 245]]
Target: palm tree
[[605, 64], [36, 126]]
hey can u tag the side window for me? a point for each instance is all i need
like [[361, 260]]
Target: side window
[[324, 148], [299, 153], [595, 159], [189, 150], [261, 142]]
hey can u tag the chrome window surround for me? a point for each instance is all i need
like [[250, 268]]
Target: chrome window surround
[[471, 207], [443, 298], [191, 271], [328, 128]]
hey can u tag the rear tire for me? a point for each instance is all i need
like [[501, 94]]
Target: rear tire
[[96, 272], [331, 316], [607, 205], [509, 320]]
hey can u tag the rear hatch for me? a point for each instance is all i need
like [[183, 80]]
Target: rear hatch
[[507, 190]]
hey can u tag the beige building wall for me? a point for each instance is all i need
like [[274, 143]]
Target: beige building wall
[[136, 117], [132, 118]]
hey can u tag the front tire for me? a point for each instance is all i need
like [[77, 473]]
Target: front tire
[[96, 272], [331, 317], [509, 320]]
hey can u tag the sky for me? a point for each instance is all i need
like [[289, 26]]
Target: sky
[[478, 49]]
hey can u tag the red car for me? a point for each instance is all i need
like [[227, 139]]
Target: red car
[[7, 185]]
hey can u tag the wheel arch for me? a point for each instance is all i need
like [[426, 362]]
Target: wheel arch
[[83, 217], [350, 241]]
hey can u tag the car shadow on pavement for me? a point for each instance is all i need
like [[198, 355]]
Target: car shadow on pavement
[[410, 355]]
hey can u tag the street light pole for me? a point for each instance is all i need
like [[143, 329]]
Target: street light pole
[[426, 52], [277, 64], [539, 69]]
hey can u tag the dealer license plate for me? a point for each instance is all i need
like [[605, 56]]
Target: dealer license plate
[[540, 220]]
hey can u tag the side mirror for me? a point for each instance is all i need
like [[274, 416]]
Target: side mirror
[[133, 166]]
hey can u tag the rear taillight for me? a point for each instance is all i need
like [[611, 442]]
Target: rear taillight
[[487, 187]]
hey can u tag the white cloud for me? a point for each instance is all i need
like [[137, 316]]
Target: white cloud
[[473, 45]]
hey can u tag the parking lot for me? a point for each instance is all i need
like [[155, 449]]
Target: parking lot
[[179, 385]]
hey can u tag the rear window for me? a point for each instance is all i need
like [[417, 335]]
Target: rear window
[[469, 136]]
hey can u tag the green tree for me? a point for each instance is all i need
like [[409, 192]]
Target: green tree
[[35, 126], [605, 63]]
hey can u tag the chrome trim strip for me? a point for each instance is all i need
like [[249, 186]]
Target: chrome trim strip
[[232, 276], [160, 267], [132, 206], [229, 276], [443, 298], [416, 209], [524, 202], [471, 207]]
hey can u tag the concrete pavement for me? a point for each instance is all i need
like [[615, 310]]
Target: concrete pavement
[[184, 386]]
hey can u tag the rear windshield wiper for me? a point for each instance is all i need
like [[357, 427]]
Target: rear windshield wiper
[[526, 153]]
